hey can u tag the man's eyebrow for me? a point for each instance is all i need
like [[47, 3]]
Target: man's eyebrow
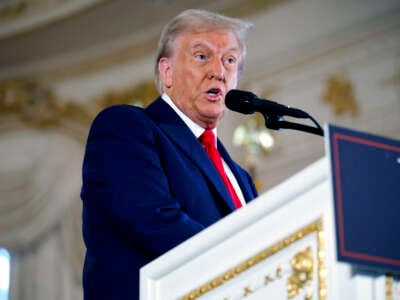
[[234, 49], [198, 45]]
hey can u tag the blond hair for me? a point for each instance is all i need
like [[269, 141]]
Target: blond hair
[[194, 20]]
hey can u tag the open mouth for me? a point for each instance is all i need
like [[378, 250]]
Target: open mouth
[[214, 92]]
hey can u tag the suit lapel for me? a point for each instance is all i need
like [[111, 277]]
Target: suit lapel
[[172, 125]]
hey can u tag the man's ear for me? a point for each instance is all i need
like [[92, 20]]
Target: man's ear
[[165, 69]]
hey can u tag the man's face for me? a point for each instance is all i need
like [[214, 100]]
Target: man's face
[[202, 69]]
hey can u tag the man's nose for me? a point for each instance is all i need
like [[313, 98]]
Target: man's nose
[[217, 70]]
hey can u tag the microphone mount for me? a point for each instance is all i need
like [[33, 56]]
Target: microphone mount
[[248, 103], [277, 122]]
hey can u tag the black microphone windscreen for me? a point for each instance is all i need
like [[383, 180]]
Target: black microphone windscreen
[[240, 101]]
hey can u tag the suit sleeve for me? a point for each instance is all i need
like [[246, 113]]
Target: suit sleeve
[[123, 180]]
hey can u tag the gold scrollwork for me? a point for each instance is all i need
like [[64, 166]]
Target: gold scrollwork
[[308, 296], [36, 104], [302, 263], [302, 272], [389, 287], [392, 287], [278, 272], [267, 279], [247, 291]]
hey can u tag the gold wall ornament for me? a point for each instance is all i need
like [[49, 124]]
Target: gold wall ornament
[[302, 272], [302, 263], [36, 104], [339, 92]]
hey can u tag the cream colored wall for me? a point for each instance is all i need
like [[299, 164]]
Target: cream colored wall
[[294, 48]]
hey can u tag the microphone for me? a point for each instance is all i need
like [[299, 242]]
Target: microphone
[[248, 103]]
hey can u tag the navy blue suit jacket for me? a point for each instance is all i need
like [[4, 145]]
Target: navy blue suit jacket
[[148, 185]]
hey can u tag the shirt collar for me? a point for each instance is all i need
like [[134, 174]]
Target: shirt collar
[[195, 128]]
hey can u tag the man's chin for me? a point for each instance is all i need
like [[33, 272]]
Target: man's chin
[[213, 117]]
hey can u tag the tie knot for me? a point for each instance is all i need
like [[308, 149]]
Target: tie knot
[[207, 138]]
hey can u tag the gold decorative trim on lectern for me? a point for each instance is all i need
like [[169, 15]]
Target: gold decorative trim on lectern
[[392, 287], [302, 266], [389, 287]]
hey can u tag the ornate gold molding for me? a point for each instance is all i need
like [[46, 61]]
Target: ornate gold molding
[[301, 262], [389, 287], [339, 92], [35, 104], [302, 272], [392, 287]]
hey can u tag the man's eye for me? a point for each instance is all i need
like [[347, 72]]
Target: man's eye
[[230, 60], [201, 56]]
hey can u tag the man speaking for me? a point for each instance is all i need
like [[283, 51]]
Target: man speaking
[[154, 177]]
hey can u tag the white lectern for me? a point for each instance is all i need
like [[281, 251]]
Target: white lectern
[[280, 246]]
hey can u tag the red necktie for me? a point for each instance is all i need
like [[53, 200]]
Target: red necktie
[[207, 139]]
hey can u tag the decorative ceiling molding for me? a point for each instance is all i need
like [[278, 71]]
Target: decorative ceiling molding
[[10, 10], [128, 54], [139, 50], [247, 8], [17, 16]]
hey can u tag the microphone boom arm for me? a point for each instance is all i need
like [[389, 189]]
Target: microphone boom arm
[[275, 122]]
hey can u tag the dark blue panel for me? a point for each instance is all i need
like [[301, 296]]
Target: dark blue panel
[[366, 185]]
